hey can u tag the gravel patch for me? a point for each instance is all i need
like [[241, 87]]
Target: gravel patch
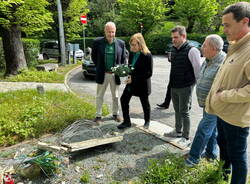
[[118, 162]]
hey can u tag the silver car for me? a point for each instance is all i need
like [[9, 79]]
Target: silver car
[[51, 50]]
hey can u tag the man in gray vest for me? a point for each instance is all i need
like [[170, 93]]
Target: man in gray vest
[[185, 68], [204, 143]]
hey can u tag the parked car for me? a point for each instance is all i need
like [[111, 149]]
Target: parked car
[[88, 65], [79, 54], [50, 49]]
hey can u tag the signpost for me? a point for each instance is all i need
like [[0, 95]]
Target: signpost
[[83, 20], [61, 34]]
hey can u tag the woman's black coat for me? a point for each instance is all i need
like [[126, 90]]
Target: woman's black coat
[[141, 75]]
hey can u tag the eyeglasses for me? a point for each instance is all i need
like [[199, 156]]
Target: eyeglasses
[[133, 44]]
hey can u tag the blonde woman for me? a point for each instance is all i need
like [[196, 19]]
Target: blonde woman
[[139, 82]]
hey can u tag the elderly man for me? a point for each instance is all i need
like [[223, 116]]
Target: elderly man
[[107, 52], [206, 133], [229, 97], [185, 68]]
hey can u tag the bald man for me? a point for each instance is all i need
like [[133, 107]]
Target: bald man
[[107, 52]]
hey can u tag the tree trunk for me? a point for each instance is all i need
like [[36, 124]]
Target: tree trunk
[[13, 50], [191, 22]]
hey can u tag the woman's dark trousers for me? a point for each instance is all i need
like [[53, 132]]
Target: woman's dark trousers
[[125, 99]]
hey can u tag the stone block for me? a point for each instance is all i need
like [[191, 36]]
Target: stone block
[[47, 67]]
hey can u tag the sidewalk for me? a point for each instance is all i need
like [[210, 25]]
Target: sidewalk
[[11, 86]]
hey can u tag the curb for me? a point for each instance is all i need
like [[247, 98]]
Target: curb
[[66, 79]]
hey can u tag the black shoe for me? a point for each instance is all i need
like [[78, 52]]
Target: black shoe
[[117, 118], [124, 125], [98, 120], [163, 106], [146, 125]]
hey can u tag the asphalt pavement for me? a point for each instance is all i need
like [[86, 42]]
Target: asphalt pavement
[[161, 70], [76, 82]]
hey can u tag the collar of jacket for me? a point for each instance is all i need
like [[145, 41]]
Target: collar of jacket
[[182, 46], [237, 45]]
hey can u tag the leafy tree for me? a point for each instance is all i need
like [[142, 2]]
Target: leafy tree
[[101, 11], [29, 16], [72, 24], [221, 7], [72, 10], [191, 12], [135, 14]]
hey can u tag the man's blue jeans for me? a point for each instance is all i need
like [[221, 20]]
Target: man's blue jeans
[[205, 137], [232, 141]]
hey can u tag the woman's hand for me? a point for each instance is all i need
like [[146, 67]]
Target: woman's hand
[[128, 80]]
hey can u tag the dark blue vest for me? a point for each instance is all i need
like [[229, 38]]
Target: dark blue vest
[[182, 72]]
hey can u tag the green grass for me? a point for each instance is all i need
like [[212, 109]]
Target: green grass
[[172, 170], [32, 75], [26, 114]]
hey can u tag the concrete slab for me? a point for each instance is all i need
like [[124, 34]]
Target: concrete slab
[[158, 129]]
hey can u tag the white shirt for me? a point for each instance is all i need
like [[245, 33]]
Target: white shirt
[[194, 56]]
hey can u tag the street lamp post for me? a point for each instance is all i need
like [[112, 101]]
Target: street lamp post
[[61, 33]]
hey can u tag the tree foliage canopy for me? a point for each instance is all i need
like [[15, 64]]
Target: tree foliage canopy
[[195, 12], [31, 15], [72, 14], [101, 11], [147, 13]]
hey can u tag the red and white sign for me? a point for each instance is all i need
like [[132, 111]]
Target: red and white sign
[[83, 19]]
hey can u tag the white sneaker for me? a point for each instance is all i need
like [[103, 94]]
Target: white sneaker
[[172, 134], [184, 142]]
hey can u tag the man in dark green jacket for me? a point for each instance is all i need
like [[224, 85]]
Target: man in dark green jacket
[[106, 53]]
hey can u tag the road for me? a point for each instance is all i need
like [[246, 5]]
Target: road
[[160, 78]]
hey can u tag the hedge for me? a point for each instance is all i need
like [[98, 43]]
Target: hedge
[[89, 41], [157, 43], [31, 50]]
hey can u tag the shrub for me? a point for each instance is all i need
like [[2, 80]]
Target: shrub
[[31, 51], [89, 41], [157, 43], [173, 170], [32, 75], [197, 37]]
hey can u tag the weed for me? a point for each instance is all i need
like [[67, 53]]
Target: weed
[[85, 178], [168, 171], [96, 167], [100, 160]]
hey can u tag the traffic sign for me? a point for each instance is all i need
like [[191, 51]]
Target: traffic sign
[[83, 19]]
